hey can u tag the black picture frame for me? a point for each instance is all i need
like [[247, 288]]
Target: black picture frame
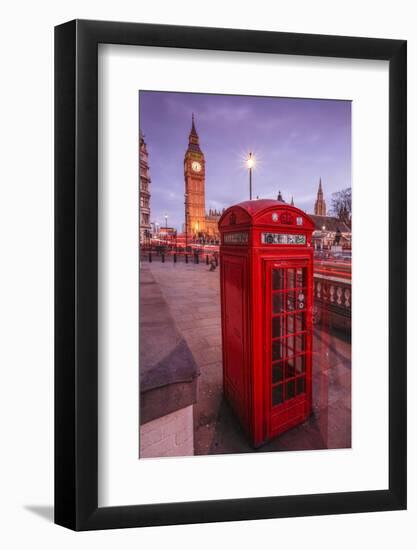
[[76, 272]]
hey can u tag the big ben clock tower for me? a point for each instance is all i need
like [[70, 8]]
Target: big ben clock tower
[[194, 173]]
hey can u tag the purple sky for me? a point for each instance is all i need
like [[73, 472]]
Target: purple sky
[[295, 141]]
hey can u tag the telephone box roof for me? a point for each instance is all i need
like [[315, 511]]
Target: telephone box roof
[[255, 208]]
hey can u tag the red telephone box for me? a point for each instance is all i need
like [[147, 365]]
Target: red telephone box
[[266, 261]]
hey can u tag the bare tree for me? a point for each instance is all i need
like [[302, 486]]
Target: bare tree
[[342, 205]]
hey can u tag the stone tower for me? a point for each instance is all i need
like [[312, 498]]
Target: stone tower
[[144, 193], [194, 175], [320, 204]]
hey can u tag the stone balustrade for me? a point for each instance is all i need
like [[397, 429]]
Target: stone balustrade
[[332, 301]]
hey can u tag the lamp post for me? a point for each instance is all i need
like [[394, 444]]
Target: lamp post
[[250, 163]]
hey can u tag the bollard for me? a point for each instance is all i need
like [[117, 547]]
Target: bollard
[[163, 258], [207, 262], [175, 257], [186, 258], [150, 257], [217, 260]]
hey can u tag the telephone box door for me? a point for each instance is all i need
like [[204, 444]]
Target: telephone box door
[[288, 346]]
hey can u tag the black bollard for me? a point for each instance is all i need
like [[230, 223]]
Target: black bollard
[[207, 262], [150, 257], [175, 257], [186, 258], [163, 258]]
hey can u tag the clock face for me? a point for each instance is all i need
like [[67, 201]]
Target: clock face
[[196, 166]]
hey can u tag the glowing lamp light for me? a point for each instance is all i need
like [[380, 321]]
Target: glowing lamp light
[[250, 162]]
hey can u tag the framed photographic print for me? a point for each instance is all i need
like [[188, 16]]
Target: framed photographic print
[[230, 275]]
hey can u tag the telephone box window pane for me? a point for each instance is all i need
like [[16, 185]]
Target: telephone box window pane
[[301, 276], [290, 324], [300, 364], [277, 372], [278, 303], [300, 343], [290, 278], [277, 327], [289, 369], [301, 385], [290, 345], [290, 390], [277, 279], [278, 350], [300, 322], [290, 301], [277, 395]]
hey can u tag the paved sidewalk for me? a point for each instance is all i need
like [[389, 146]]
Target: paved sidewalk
[[193, 296]]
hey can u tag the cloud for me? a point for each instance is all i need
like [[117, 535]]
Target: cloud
[[225, 115]]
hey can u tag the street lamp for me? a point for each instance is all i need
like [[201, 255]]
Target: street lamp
[[250, 163]]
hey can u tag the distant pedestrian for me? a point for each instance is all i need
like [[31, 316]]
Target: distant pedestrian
[[212, 264]]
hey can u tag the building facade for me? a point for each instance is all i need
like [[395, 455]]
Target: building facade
[[198, 224], [144, 193], [212, 223], [329, 230]]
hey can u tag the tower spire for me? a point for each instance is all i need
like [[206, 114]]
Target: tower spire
[[193, 139], [193, 130], [320, 204]]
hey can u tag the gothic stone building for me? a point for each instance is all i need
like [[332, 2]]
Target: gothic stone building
[[144, 193], [327, 227], [198, 224]]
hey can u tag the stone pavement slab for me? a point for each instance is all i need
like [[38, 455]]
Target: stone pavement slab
[[168, 370], [192, 293]]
